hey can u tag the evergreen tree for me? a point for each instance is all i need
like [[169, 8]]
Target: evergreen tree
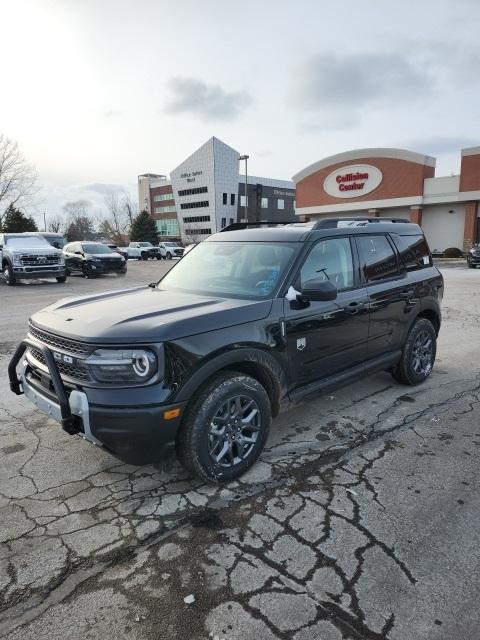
[[14, 221], [144, 229]]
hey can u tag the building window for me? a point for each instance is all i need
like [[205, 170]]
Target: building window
[[242, 201], [232, 198], [194, 205], [168, 227], [191, 192], [167, 209], [197, 219], [280, 204], [224, 221], [225, 198], [198, 232], [264, 203], [231, 220], [163, 196]]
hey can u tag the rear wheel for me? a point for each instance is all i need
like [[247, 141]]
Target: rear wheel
[[158, 256], [9, 276], [418, 354], [144, 256], [88, 274], [225, 427], [169, 256]]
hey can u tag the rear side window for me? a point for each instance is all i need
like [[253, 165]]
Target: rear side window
[[414, 251], [377, 258]]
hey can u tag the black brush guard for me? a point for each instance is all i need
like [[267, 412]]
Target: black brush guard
[[70, 423]]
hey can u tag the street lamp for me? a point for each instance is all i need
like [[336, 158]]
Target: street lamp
[[245, 157]]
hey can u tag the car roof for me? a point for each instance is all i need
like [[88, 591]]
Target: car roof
[[306, 231]]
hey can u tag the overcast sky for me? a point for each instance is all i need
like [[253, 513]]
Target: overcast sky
[[98, 91]]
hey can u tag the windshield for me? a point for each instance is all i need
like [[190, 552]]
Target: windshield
[[29, 242], [170, 244], [56, 241], [145, 244], [96, 248], [232, 269]]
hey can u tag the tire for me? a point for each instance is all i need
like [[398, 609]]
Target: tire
[[413, 368], [144, 256], [169, 256], [158, 257], [62, 279], [472, 266], [9, 276], [196, 446], [88, 274]]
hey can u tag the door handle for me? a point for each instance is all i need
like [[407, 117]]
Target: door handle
[[354, 307], [408, 293]]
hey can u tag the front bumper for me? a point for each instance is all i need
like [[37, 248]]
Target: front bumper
[[137, 434], [471, 259], [101, 269], [25, 273]]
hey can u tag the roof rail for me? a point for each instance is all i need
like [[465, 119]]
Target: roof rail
[[238, 226], [333, 223]]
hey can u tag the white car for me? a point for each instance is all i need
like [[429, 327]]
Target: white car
[[171, 250]]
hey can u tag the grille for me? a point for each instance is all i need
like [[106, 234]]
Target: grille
[[35, 260], [111, 262], [77, 371], [64, 344]]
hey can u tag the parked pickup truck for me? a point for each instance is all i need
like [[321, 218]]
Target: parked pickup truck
[[25, 255], [143, 251]]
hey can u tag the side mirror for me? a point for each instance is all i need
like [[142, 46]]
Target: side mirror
[[319, 290]]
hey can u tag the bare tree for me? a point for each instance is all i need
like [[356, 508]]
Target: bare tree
[[18, 179], [80, 224], [129, 207], [55, 224]]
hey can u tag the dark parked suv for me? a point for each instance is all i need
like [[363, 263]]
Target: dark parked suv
[[249, 321], [92, 259]]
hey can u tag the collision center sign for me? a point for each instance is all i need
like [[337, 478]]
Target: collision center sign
[[352, 181]]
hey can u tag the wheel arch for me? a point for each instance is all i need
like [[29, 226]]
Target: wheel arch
[[433, 316], [256, 363]]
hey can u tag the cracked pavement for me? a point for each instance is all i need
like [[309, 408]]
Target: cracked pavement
[[361, 519]]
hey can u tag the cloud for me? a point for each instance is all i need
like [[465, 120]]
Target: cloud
[[211, 102], [441, 145], [337, 87], [102, 187], [113, 113]]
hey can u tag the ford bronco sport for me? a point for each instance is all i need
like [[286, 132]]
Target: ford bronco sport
[[250, 320]]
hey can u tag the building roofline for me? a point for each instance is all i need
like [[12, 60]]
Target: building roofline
[[360, 154], [471, 151]]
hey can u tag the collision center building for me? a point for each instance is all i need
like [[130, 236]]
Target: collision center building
[[396, 183]]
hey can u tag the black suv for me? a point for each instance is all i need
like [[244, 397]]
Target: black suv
[[248, 321], [92, 259]]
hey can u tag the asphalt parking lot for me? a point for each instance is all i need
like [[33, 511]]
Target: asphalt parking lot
[[360, 521]]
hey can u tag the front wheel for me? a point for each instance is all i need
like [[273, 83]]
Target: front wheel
[[418, 355], [9, 276], [169, 256], [144, 256], [225, 428], [472, 266], [61, 279]]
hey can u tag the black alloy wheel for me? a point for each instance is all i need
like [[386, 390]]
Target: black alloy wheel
[[225, 427], [418, 355]]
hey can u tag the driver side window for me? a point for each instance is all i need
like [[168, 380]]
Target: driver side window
[[330, 260]]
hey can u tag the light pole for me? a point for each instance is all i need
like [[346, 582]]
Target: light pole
[[245, 157], [44, 220]]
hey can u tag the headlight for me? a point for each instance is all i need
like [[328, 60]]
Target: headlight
[[122, 365], [61, 260], [16, 260]]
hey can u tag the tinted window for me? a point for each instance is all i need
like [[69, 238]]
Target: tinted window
[[414, 251], [330, 260], [377, 257]]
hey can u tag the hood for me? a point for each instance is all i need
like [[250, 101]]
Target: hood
[[35, 251], [145, 315]]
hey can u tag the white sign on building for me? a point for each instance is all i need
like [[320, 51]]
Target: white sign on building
[[352, 181]]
